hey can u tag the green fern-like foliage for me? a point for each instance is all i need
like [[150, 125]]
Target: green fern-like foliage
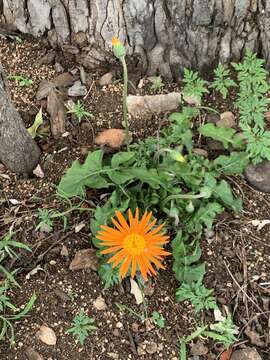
[[222, 81]]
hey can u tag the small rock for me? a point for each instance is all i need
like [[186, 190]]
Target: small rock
[[77, 89], [84, 259], [201, 152], [106, 79], [153, 104], [119, 325], [32, 354], [46, 335], [258, 176], [114, 138], [246, 354], [151, 348], [227, 120], [99, 303]]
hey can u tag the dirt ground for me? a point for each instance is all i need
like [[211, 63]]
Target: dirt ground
[[236, 253]]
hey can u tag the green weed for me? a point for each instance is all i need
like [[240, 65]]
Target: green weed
[[222, 83], [22, 81], [157, 83], [79, 111], [199, 296], [194, 86], [83, 325]]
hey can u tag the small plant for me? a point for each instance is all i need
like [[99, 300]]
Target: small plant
[[158, 319], [18, 39], [194, 86], [82, 326], [120, 53], [7, 249], [252, 103], [223, 331], [38, 121], [45, 220], [199, 296], [157, 83], [79, 111], [222, 82], [23, 82]]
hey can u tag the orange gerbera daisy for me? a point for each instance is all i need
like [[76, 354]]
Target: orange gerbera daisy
[[137, 244]]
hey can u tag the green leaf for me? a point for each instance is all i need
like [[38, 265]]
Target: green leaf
[[225, 135], [205, 215], [79, 176], [185, 258], [122, 158], [38, 121], [148, 176], [234, 164], [223, 191]]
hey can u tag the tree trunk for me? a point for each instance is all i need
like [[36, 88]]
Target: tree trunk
[[166, 34], [18, 151]]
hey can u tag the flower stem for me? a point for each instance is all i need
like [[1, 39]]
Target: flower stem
[[125, 90]]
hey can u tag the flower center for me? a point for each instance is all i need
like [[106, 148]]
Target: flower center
[[134, 244]]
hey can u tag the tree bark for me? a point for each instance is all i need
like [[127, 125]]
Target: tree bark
[[18, 151], [166, 34]]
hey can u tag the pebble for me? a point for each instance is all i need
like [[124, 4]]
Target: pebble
[[258, 176], [119, 325]]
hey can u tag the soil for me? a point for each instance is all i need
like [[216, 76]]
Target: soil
[[236, 253]]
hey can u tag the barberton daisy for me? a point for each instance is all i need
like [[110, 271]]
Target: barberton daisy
[[137, 244]]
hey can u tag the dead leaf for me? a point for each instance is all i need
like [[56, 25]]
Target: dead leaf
[[135, 290], [57, 112], [260, 223], [14, 201], [254, 337], [226, 355], [218, 315], [64, 251], [84, 259], [62, 80], [79, 227], [99, 303], [113, 138], [44, 89], [34, 272], [38, 172], [46, 335], [198, 349]]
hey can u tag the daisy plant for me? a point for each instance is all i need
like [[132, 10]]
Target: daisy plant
[[134, 244], [120, 53]]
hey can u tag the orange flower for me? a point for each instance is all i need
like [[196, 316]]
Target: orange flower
[[115, 41], [137, 244]]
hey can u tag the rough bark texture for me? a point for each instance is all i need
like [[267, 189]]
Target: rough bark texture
[[167, 34], [18, 151]]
